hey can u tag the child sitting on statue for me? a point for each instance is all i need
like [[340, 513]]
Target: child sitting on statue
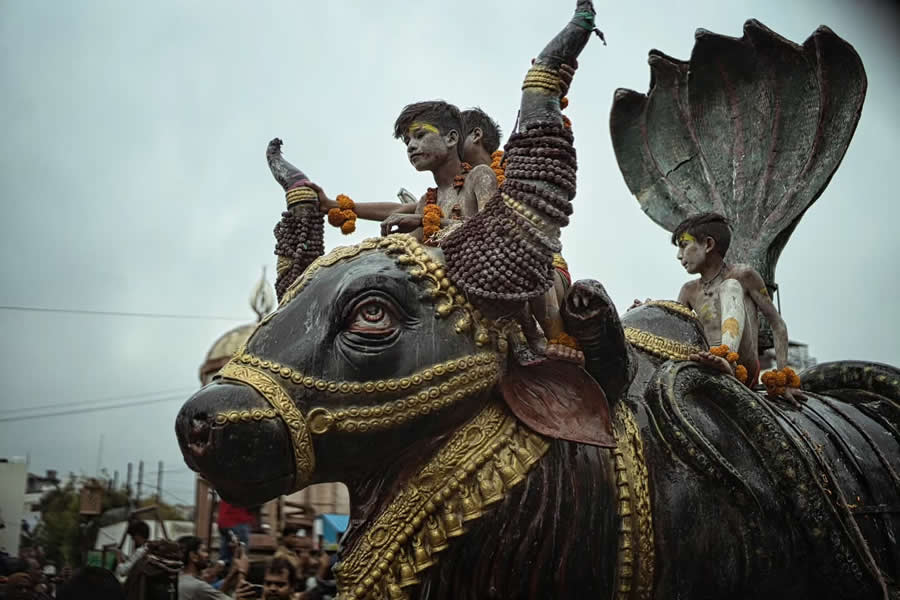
[[726, 299], [481, 147]]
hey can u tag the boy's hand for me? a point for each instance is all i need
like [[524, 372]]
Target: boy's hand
[[325, 203], [400, 223], [637, 303]]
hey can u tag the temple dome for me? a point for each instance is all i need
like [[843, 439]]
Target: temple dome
[[229, 342], [223, 349]]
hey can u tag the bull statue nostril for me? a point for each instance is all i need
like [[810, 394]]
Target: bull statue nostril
[[199, 435]]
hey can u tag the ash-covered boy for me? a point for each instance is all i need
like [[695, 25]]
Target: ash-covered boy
[[727, 298]]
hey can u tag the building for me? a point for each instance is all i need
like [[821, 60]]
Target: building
[[35, 488], [13, 481], [798, 357]]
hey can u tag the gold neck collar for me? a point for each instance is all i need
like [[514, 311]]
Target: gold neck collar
[[481, 462]]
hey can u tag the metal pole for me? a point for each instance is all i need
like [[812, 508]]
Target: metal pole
[[140, 483], [159, 472]]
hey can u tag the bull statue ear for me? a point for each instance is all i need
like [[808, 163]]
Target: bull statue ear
[[560, 400]]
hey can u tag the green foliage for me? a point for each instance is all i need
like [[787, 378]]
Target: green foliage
[[66, 536], [59, 530]]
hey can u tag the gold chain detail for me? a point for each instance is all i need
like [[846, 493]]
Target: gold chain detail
[[234, 416], [304, 457], [483, 373], [658, 345], [368, 387], [482, 461], [338, 254], [678, 307], [633, 486], [422, 266]]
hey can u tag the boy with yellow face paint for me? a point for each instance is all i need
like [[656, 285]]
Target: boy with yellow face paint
[[727, 299]]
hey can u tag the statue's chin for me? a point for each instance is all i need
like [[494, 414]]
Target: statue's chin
[[250, 493]]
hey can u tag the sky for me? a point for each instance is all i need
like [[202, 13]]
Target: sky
[[133, 179]]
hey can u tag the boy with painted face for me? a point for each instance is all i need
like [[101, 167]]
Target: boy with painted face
[[433, 134], [727, 297]]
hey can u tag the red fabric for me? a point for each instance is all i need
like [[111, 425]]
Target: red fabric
[[565, 275], [230, 515]]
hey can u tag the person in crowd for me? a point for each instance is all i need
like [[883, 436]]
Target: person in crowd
[[195, 558], [279, 582], [94, 583], [19, 586], [234, 524], [139, 532]]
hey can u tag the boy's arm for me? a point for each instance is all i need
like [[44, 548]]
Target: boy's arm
[[408, 220], [754, 284], [370, 211], [481, 183]]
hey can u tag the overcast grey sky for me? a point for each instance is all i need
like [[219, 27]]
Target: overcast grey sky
[[133, 177]]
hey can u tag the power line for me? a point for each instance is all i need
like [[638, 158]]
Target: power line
[[75, 411], [6, 411], [118, 313]]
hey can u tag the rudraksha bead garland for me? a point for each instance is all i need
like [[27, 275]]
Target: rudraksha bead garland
[[300, 240], [505, 253]]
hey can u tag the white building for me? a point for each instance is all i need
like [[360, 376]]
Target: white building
[[13, 477]]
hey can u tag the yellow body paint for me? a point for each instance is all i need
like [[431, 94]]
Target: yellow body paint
[[763, 291], [425, 126], [731, 326], [686, 237]]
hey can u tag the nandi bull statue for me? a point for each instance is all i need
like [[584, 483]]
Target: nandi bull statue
[[393, 367]]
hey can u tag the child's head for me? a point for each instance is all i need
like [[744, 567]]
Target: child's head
[[432, 132], [482, 135], [700, 236]]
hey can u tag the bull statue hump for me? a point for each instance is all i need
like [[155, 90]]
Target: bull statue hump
[[393, 366]]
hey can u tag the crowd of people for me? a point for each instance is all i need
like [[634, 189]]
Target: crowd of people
[[182, 570]]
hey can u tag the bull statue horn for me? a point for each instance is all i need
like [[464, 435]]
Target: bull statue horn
[[503, 256], [299, 235]]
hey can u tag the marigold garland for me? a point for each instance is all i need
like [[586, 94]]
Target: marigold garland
[[723, 351], [778, 381], [431, 215], [460, 180], [343, 216], [498, 167], [564, 339]]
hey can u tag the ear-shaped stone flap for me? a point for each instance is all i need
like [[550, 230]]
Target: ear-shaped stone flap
[[560, 400]]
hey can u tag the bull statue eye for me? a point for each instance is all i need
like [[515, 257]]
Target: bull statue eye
[[372, 316]]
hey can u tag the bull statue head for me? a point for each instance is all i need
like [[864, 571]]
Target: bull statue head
[[389, 355]]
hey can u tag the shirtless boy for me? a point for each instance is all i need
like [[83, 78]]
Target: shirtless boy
[[726, 298]]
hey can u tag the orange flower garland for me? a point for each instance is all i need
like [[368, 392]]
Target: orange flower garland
[[498, 167], [343, 216], [777, 381], [460, 180], [431, 214], [564, 339], [740, 371]]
